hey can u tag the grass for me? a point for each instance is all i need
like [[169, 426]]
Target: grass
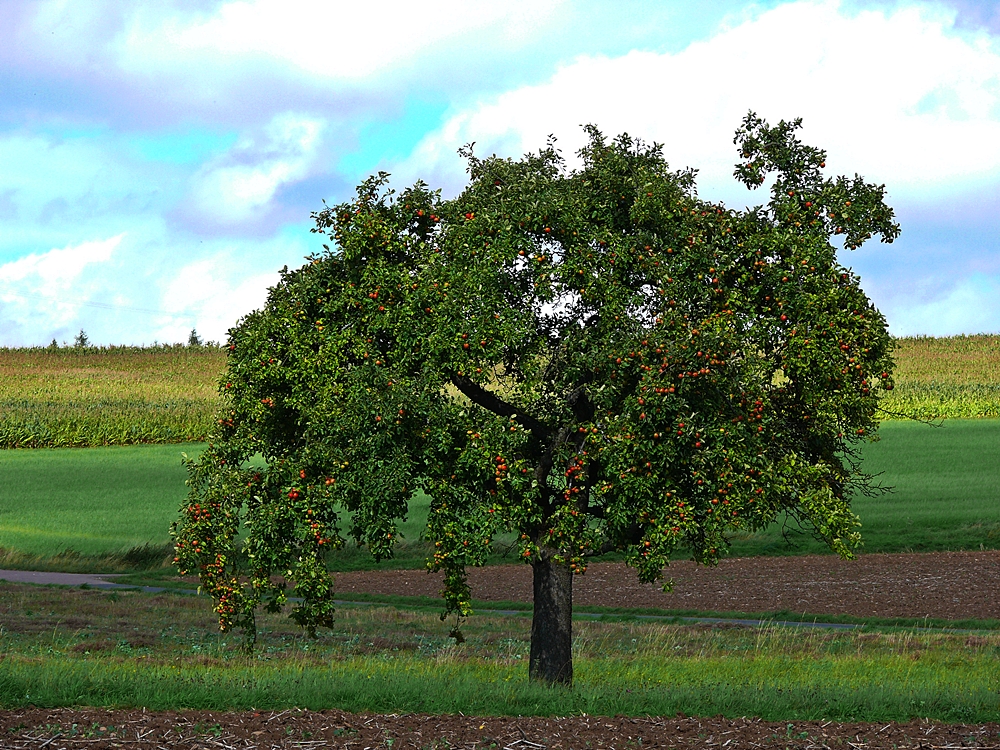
[[104, 508], [109, 509], [107, 396], [70, 647], [946, 493]]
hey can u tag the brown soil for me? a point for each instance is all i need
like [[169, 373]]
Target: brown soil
[[950, 585], [100, 729], [945, 585]]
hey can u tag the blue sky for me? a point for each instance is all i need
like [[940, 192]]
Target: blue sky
[[159, 160]]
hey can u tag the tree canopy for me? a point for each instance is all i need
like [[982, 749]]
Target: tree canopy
[[595, 359]]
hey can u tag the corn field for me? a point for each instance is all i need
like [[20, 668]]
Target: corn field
[[74, 397], [956, 377]]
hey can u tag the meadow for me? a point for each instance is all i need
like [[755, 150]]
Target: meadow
[[89, 509], [945, 493], [71, 647], [109, 509], [73, 397]]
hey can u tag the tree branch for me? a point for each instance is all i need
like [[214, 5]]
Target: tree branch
[[491, 402], [579, 402]]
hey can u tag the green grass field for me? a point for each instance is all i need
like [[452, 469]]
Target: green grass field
[[101, 502], [71, 647], [946, 494], [94, 502]]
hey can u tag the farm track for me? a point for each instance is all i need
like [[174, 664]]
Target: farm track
[[99, 729], [937, 585], [942, 585]]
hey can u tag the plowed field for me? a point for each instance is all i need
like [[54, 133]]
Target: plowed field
[[102, 729], [943, 585]]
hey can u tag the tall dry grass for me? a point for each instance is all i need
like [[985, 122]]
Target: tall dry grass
[[69, 397], [954, 376]]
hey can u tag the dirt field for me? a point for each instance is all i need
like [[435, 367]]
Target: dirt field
[[31, 729], [947, 585], [951, 585]]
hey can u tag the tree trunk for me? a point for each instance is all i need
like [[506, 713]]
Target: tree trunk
[[551, 659]]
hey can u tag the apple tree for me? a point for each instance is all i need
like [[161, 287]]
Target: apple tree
[[594, 359]]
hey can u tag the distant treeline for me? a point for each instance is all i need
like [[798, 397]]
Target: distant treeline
[[82, 342], [121, 348]]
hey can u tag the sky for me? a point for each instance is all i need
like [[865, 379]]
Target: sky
[[159, 161]]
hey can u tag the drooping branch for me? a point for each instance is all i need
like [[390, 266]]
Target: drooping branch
[[491, 402]]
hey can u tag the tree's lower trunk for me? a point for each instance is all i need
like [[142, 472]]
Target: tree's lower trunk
[[551, 657]]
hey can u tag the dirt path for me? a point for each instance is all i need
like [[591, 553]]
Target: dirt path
[[948, 585], [943, 585], [100, 729], [61, 579]]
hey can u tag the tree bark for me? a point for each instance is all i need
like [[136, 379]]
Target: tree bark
[[551, 659]]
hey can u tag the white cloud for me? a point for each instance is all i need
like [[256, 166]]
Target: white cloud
[[139, 287], [970, 306], [330, 40], [208, 291], [44, 290], [57, 270], [900, 96], [240, 183]]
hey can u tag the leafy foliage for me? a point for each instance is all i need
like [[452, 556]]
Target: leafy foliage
[[594, 359]]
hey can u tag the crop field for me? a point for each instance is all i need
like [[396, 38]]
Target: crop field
[[167, 394], [107, 396], [110, 508], [956, 377], [68, 647]]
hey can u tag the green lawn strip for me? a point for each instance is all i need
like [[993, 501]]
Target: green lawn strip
[[65, 647], [144, 557], [946, 493], [83, 510], [886, 688], [92, 502]]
